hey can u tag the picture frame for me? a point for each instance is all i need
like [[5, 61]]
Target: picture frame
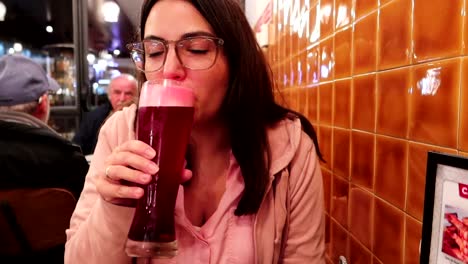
[[445, 216]]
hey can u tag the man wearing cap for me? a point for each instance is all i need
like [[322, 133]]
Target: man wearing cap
[[33, 155]]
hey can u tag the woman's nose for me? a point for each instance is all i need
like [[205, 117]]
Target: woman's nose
[[173, 68]]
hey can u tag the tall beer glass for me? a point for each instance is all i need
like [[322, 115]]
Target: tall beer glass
[[164, 121]]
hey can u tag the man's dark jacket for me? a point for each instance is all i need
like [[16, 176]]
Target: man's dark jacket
[[33, 155], [87, 135]]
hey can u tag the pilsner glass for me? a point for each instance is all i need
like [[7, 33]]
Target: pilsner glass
[[164, 121]]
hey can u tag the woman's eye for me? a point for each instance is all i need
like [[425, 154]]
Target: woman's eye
[[198, 51], [155, 54]]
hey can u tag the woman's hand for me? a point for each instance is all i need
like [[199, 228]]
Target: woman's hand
[[129, 162]]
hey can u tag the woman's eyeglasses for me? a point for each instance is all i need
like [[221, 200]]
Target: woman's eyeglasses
[[195, 53]]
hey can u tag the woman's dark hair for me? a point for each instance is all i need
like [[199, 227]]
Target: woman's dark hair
[[249, 107]]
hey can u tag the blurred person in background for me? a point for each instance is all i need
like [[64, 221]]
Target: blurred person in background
[[122, 92], [32, 154]]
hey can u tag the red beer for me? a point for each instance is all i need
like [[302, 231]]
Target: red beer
[[165, 124]]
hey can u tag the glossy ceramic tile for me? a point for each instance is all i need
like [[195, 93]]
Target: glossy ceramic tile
[[394, 47], [326, 103], [362, 159], [364, 102], [393, 102], [343, 13], [327, 61], [313, 64], [391, 170], [341, 152], [417, 162], [376, 261], [388, 226], [412, 238], [312, 104], [339, 242], [343, 46], [340, 200], [364, 44], [327, 235], [325, 143], [434, 106], [342, 103], [314, 23], [326, 17], [361, 215], [327, 183], [463, 132], [444, 33], [364, 7], [358, 254], [302, 100]]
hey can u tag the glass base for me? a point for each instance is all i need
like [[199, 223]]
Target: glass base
[[143, 249]]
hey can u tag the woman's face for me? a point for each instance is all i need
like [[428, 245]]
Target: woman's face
[[175, 20]]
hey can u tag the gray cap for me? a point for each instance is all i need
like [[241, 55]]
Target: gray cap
[[22, 80]]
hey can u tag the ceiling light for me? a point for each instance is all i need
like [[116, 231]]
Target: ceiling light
[[2, 11], [49, 29], [111, 11]]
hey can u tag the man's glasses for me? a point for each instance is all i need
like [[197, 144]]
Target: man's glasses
[[195, 53]]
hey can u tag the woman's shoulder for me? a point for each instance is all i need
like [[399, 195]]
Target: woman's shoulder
[[120, 124], [285, 138]]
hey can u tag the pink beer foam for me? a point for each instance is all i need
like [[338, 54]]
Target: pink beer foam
[[165, 94]]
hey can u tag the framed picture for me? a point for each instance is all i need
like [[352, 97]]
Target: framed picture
[[445, 219]]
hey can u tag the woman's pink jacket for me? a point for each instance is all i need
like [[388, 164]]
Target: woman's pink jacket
[[288, 228]]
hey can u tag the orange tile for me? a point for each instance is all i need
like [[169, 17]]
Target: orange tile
[[393, 102], [439, 23], [327, 60], [361, 215], [364, 7], [388, 226], [313, 62], [340, 199], [364, 102], [376, 261], [395, 34], [325, 143], [365, 43], [341, 152], [302, 100], [342, 103], [339, 242], [417, 162], [325, 95], [463, 133], [327, 178], [314, 23], [412, 238], [302, 68], [362, 159], [343, 15], [391, 170], [294, 42], [326, 17], [312, 105], [358, 253], [465, 154], [433, 116], [343, 53]]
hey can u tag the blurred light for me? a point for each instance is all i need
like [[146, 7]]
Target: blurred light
[[91, 58], [431, 82], [111, 11], [18, 47], [49, 29], [116, 52], [2, 11], [11, 51]]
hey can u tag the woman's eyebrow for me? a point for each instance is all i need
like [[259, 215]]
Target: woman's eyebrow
[[186, 35]]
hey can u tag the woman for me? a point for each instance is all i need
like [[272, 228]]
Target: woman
[[254, 194]]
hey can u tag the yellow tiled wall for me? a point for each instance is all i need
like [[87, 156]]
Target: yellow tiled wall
[[383, 82]]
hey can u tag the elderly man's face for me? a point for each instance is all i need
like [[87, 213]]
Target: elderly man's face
[[122, 92]]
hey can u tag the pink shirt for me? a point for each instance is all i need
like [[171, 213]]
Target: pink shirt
[[224, 238]]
